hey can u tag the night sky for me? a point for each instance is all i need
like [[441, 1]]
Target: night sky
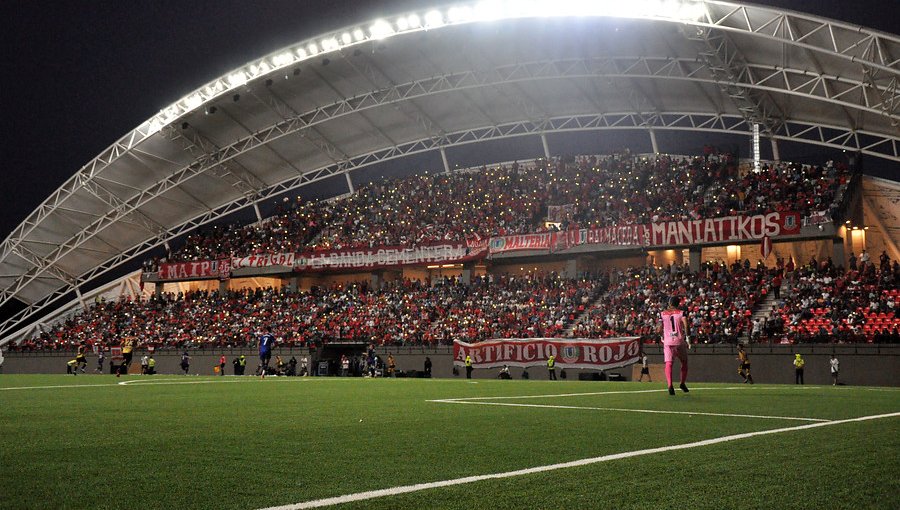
[[79, 75]]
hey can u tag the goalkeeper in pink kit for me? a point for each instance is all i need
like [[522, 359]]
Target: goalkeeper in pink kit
[[676, 342]]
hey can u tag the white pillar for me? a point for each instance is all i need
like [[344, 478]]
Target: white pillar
[[80, 298], [653, 142], [546, 145], [444, 159], [755, 141], [258, 215], [776, 155], [350, 183]]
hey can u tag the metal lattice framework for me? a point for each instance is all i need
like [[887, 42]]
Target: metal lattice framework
[[336, 104]]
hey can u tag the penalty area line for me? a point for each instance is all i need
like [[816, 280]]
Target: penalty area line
[[405, 489], [624, 410]]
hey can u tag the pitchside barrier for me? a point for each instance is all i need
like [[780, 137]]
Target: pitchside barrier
[[861, 364]]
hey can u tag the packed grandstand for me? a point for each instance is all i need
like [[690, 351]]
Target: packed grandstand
[[776, 300]]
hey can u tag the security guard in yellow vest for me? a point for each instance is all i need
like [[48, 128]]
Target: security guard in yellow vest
[[551, 367], [151, 366], [798, 368], [468, 367]]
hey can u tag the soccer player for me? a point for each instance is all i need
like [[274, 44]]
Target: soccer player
[[266, 341], [185, 362], [81, 357], [676, 342], [835, 368], [645, 368], [744, 366], [127, 351], [100, 358]]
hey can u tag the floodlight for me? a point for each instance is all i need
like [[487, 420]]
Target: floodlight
[[380, 29], [193, 101], [358, 35], [237, 79], [329, 44], [346, 38], [434, 19], [402, 24], [284, 59], [301, 53], [414, 21], [459, 14]]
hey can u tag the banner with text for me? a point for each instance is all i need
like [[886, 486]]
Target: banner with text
[[195, 270], [502, 244], [627, 235], [532, 352], [368, 258], [265, 260], [726, 229]]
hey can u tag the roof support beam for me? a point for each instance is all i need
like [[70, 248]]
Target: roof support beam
[[729, 70]]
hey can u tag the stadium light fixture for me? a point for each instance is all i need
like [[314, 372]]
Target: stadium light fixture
[[434, 19], [381, 29], [686, 11], [237, 79]]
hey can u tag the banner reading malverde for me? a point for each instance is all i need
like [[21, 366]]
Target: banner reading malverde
[[530, 352]]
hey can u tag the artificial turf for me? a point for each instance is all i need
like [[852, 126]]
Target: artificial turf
[[206, 442]]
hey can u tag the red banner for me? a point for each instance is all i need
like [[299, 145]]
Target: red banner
[[726, 229], [530, 352], [502, 244], [265, 260], [195, 270], [368, 258], [627, 235]]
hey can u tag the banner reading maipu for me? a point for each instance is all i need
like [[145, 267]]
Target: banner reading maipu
[[586, 353]]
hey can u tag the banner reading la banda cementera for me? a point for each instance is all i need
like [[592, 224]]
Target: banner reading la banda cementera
[[530, 352]]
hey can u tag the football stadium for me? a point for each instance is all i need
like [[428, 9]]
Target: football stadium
[[487, 254]]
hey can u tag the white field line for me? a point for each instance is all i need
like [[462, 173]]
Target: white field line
[[405, 489], [651, 411], [558, 395]]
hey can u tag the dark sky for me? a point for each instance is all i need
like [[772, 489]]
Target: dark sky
[[77, 75]]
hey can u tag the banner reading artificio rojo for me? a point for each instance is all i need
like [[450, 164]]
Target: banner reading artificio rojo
[[529, 352]]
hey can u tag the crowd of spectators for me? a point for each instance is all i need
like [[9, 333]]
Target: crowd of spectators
[[719, 301], [596, 191], [825, 303], [818, 302], [402, 312]]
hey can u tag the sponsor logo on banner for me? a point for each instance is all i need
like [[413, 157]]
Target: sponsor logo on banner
[[530, 352], [725, 229]]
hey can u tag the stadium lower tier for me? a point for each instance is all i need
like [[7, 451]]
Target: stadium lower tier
[[724, 304]]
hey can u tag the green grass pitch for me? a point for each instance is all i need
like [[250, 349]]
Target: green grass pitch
[[246, 443]]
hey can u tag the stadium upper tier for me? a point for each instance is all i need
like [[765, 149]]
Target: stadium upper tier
[[435, 80], [860, 306], [514, 199]]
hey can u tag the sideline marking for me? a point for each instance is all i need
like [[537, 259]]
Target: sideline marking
[[618, 392], [405, 489], [651, 411]]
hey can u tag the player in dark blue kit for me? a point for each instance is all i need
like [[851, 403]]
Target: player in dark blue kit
[[266, 341]]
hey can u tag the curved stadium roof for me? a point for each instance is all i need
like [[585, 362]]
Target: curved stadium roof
[[454, 75]]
